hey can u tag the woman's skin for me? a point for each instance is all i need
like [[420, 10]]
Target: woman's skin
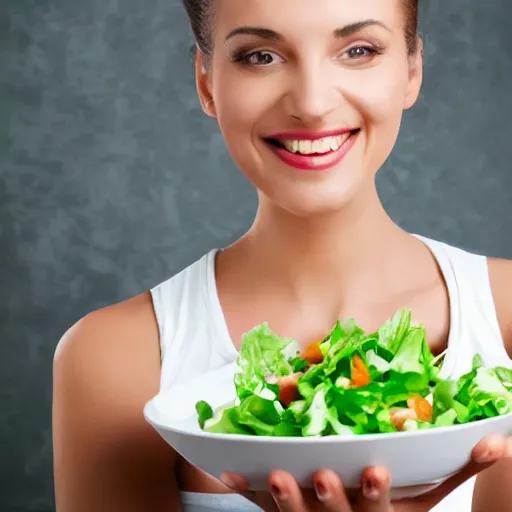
[[321, 248]]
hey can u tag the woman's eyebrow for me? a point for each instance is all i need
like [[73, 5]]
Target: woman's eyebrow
[[262, 33], [354, 28], [272, 35]]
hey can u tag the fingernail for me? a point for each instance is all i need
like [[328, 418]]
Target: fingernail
[[485, 456], [370, 490], [321, 491], [277, 491], [491, 450]]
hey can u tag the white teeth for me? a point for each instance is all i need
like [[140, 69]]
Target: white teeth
[[318, 146]]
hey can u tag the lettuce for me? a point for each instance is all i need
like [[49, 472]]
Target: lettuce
[[263, 354], [335, 398]]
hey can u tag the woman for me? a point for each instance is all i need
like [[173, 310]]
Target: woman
[[309, 97]]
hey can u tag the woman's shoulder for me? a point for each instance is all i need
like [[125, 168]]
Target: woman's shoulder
[[117, 331], [109, 361], [110, 353]]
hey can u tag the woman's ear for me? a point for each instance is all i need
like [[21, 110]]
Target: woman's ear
[[203, 85], [415, 76]]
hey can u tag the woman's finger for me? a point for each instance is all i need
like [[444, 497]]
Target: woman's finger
[[329, 493], [375, 491], [286, 492], [491, 449]]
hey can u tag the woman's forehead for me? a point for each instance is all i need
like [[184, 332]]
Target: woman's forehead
[[292, 16]]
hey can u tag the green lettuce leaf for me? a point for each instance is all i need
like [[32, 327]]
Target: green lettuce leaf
[[294, 414], [410, 355], [446, 419], [358, 407], [263, 353], [444, 400], [287, 429], [345, 350], [344, 340], [393, 332], [258, 414], [228, 423], [204, 412], [488, 392], [505, 376], [319, 417], [377, 363], [299, 365], [310, 381]]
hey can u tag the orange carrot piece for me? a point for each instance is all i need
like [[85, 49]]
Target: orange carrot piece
[[312, 353], [360, 375], [421, 406]]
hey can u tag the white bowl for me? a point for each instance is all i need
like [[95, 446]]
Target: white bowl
[[425, 457]]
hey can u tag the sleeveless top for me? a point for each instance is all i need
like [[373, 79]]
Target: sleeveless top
[[194, 338]]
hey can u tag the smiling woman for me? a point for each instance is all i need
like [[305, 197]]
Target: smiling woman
[[309, 96]]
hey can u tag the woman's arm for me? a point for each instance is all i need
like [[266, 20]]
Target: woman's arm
[[493, 489], [106, 457]]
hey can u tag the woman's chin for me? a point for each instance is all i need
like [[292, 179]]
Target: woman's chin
[[306, 201]]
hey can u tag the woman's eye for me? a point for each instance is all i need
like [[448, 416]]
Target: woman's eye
[[358, 52], [259, 58]]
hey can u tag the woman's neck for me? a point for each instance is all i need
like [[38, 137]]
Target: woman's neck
[[344, 247], [356, 262]]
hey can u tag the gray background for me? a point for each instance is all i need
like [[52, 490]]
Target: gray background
[[111, 179]]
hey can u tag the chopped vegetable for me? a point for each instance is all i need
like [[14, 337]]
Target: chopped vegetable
[[204, 411], [288, 389], [360, 376], [421, 407], [312, 354], [353, 383]]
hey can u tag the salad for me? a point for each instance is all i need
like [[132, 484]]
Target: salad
[[352, 383]]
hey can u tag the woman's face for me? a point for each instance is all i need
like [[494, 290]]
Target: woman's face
[[309, 94]]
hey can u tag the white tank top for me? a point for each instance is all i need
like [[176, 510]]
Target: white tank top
[[194, 338]]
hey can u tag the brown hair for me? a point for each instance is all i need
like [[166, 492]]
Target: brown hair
[[200, 14], [411, 25]]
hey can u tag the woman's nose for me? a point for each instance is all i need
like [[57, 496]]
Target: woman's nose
[[313, 94]]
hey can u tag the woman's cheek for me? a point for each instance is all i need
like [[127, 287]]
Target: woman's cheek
[[378, 94], [244, 98], [244, 106]]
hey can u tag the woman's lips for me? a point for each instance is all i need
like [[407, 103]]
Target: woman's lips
[[315, 162]]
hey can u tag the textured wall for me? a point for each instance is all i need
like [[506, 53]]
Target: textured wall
[[111, 179]]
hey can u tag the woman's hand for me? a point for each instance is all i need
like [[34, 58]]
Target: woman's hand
[[374, 494], [328, 494]]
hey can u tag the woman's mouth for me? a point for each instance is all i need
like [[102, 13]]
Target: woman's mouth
[[313, 153]]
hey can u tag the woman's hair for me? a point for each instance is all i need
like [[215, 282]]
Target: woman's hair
[[201, 16], [411, 25]]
